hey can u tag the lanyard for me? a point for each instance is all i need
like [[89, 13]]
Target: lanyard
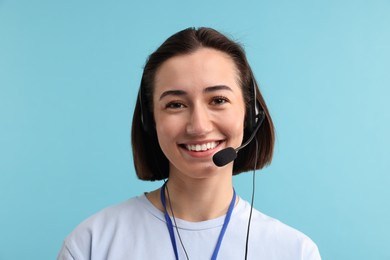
[[172, 234]]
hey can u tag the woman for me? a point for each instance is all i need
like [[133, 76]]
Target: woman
[[197, 97]]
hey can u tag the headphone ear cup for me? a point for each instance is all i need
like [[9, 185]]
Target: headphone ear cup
[[254, 107], [145, 113]]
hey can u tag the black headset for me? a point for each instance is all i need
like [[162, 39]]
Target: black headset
[[146, 116]]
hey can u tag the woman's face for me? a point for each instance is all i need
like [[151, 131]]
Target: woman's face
[[199, 109]]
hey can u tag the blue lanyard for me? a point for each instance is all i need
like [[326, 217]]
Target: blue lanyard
[[172, 234]]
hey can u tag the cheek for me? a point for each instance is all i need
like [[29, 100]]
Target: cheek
[[167, 128], [164, 139], [240, 123], [238, 129], [234, 124], [163, 133]]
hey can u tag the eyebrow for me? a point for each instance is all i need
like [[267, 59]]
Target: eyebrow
[[216, 88], [182, 92]]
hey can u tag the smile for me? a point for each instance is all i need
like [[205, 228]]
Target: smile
[[201, 147]]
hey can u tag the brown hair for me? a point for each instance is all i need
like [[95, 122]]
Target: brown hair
[[149, 161]]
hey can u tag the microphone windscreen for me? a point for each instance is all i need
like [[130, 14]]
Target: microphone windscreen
[[224, 156]]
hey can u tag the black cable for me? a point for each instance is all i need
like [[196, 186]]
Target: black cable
[[253, 199], [174, 220]]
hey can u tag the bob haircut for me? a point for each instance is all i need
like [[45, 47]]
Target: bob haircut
[[149, 160]]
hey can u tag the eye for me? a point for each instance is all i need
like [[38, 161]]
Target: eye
[[174, 105], [219, 100]]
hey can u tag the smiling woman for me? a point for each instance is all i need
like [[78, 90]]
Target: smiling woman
[[198, 96], [192, 94]]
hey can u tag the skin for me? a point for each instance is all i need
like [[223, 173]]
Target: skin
[[199, 110]]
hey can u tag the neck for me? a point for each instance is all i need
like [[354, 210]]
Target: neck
[[196, 200]]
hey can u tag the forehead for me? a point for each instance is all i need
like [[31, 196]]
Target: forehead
[[202, 68]]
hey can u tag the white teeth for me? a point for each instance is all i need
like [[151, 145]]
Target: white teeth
[[201, 147]]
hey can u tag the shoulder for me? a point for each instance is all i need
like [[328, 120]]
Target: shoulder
[[98, 230], [278, 236], [112, 214]]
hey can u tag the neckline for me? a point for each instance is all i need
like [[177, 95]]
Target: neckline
[[188, 225], [172, 231]]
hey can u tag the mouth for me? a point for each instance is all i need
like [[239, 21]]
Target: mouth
[[201, 147]]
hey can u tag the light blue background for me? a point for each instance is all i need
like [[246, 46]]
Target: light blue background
[[70, 71]]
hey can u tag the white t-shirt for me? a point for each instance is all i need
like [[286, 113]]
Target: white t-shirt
[[135, 229]]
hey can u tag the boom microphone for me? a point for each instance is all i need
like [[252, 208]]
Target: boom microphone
[[229, 154]]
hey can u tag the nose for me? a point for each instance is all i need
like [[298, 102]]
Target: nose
[[199, 122]]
